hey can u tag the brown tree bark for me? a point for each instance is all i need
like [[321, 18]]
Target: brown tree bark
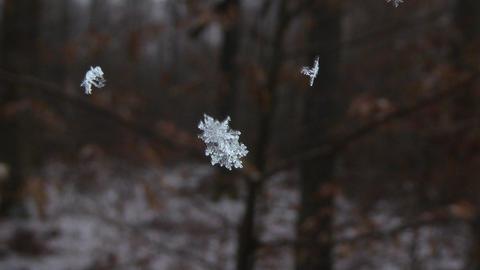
[[18, 54], [230, 12], [247, 238], [467, 23], [474, 259], [316, 208]]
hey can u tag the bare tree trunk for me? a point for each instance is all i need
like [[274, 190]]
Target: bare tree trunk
[[229, 52], [467, 19], [467, 22], [65, 20], [247, 238], [247, 241], [314, 229], [229, 14], [19, 55], [474, 260]]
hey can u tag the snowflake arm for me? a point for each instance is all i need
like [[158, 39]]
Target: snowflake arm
[[311, 72], [396, 3], [93, 77], [222, 143]]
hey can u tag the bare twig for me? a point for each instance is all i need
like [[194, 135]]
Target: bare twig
[[335, 146], [55, 91]]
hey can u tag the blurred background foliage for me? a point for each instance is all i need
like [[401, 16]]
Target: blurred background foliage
[[374, 167]]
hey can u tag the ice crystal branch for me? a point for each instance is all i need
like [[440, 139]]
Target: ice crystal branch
[[311, 72], [396, 3], [222, 142], [93, 77]]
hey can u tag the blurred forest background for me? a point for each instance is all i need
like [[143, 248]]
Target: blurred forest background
[[374, 167]]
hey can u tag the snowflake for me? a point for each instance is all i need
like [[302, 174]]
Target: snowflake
[[222, 142], [93, 77], [396, 3], [311, 72]]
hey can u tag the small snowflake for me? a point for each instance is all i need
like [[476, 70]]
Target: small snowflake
[[396, 3], [93, 77], [222, 142], [311, 72]]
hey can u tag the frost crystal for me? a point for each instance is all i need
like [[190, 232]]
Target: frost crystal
[[222, 142], [396, 3], [93, 77], [311, 72]]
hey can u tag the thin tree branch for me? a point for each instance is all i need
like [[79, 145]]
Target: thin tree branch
[[143, 130], [336, 146], [55, 91]]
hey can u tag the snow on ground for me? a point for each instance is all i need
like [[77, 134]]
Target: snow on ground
[[106, 215], [433, 247], [109, 215]]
